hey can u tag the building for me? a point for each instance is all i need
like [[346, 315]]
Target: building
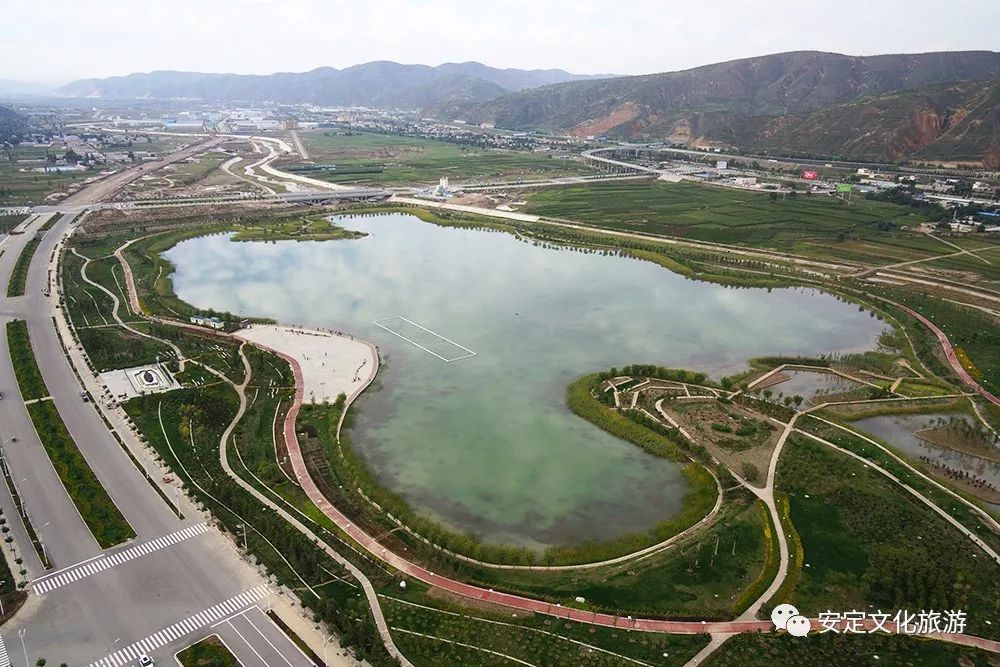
[[213, 322]]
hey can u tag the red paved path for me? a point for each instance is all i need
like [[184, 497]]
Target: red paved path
[[949, 352], [506, 599]]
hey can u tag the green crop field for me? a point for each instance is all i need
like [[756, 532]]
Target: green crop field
[[806, 223], [394, 160]]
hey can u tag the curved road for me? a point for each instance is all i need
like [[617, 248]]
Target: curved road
[[505, 599]]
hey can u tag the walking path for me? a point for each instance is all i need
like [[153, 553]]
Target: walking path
[[949, 352], [370, 594], [718, 629]]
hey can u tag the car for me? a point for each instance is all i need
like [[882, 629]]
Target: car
[[145, 661]]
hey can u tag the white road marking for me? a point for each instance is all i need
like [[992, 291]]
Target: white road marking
[[4, 658], [178, 629], [93, 566]]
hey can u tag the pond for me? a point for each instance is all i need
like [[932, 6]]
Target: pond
[[486, 444], [813, 385], [899, 431]]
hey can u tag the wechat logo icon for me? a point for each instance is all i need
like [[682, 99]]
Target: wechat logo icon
[[786, 617]]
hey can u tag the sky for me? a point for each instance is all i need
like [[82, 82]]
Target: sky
[[55, 41]]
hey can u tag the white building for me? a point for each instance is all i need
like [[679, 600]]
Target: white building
[[213, 322]]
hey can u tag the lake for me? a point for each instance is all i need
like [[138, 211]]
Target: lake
[[486, 444]]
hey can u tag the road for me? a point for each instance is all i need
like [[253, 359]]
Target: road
[[105, 612], [744, 624], [149, 522]]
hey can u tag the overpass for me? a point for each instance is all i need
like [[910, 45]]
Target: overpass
[[595, 157]]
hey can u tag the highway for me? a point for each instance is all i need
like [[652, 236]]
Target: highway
[[114, 604]]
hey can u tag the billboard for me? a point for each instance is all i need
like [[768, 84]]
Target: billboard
[[844, 187], [810, 175], [721, 164]]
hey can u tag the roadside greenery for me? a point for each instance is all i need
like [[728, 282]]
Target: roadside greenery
[[10, 593], [29, 378], [193, 421], [209, 652], [99, 512], [51, 222], [19, 277]]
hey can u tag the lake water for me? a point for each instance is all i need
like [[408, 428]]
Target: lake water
[[486, 444], [898, 431]]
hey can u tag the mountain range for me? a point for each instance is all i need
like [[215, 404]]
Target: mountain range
[[930, 105], [375, 84], [934, 106]]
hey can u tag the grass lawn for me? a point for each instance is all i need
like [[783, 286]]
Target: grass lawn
[[395, 160], [107, 345], [209, 652], [803, 223]]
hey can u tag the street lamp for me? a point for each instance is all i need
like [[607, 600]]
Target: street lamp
[[244, 527], [325, 644], [20, 634]]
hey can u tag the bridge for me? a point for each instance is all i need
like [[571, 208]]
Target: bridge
[[319, 198], [595, 157]]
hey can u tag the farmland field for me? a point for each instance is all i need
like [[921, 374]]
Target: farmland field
[[802, 223], [395, 160]]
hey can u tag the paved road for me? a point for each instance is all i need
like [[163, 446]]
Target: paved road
[[257, 642], [96, 615], [746, 622]]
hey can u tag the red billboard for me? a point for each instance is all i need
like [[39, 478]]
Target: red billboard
[[810, 175]]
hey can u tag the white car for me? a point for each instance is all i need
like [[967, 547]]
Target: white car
[[145, 661]]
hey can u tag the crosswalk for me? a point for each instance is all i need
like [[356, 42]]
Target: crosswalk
[[50, 582], [4, 658], [173, 632]]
